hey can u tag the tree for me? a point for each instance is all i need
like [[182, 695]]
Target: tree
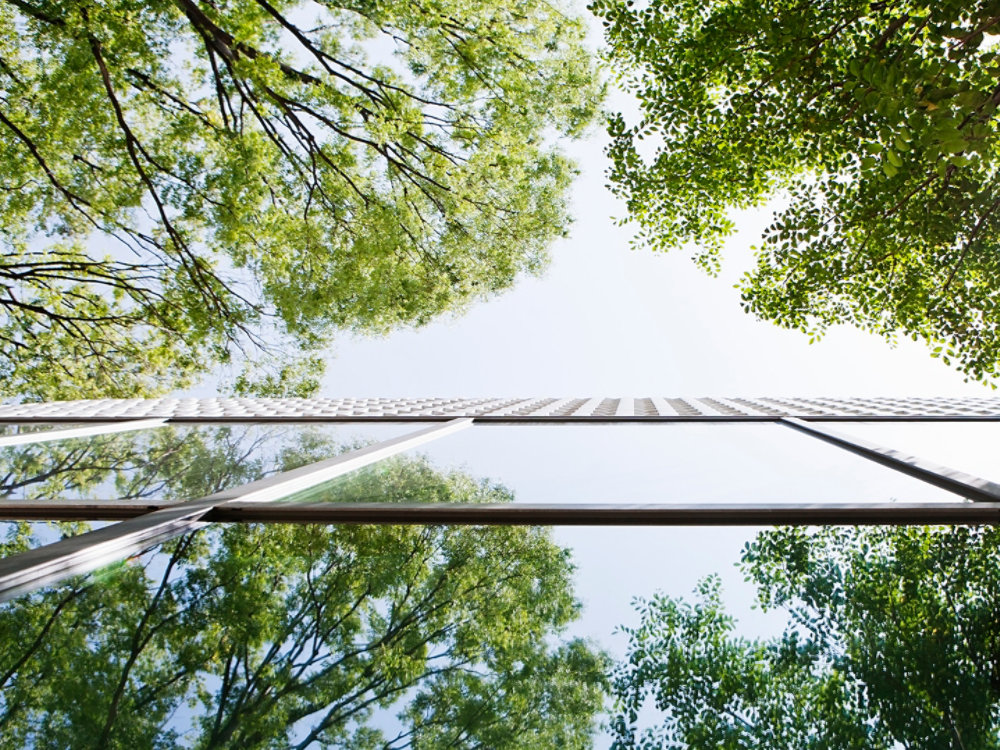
[[873, 122], [893, 641], [184, 181], [350, 636]]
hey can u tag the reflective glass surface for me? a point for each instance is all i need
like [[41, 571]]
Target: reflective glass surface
[[174, 461], [19, 536], [22, 428], [972, 447], [442, 636], [631, 463], [254, 635], [306, 636]]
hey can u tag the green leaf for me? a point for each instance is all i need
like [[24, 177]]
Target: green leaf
[[262, 635]]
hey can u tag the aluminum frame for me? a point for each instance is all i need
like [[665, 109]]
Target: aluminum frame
[[547, 514], [966, 485], [145, 523]]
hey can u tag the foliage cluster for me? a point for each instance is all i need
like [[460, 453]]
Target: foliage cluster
[[183, 181], [875, 123], [253, 636]]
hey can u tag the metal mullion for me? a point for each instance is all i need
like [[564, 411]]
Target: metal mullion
[[554, 513], [44, 436], [80, 510], [51, 563], [966, 485], [616, 514], [35, 568]]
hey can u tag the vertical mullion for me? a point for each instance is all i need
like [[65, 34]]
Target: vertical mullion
[[966, 485], [51, 563]]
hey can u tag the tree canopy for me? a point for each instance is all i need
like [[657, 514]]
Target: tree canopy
[[874, 124], [893, 642], [186, 181], [255, 636]]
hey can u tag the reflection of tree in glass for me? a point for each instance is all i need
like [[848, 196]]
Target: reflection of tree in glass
[[401, 479], [167, 463], [277, 636], [894, 642]]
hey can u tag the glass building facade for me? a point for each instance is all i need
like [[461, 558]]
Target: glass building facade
[[137, 530]]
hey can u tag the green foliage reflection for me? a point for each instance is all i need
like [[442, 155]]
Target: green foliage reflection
[[300, 635], [893, 641]]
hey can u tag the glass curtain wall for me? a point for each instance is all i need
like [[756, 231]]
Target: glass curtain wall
[[179, 584]]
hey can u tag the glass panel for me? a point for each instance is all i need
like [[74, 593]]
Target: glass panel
[[408, 636], [631, 463], [20, 536], [173, 462], [318, 636], [8, 429], [972, 447]]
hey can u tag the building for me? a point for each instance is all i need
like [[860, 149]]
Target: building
[[678, 461]]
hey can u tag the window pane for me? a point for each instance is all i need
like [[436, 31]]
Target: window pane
[[8, 428], [632, 463], [20, 536], [972, 447], [173, 462]]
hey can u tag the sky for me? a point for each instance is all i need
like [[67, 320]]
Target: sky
[[607, 320]]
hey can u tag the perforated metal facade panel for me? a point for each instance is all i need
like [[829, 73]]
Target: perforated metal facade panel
[[655, 407]]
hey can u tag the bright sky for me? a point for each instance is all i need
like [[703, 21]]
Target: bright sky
[[605, 320]]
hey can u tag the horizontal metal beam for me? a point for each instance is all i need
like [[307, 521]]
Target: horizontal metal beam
[[966, 485], [103, 427], [547, 514], [615, 514], [39, 567], [79, 510]]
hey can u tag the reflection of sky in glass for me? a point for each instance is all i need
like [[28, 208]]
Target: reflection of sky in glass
[[19, 536], [172, 462], [972, 447], [539, 463], [669, 463]]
